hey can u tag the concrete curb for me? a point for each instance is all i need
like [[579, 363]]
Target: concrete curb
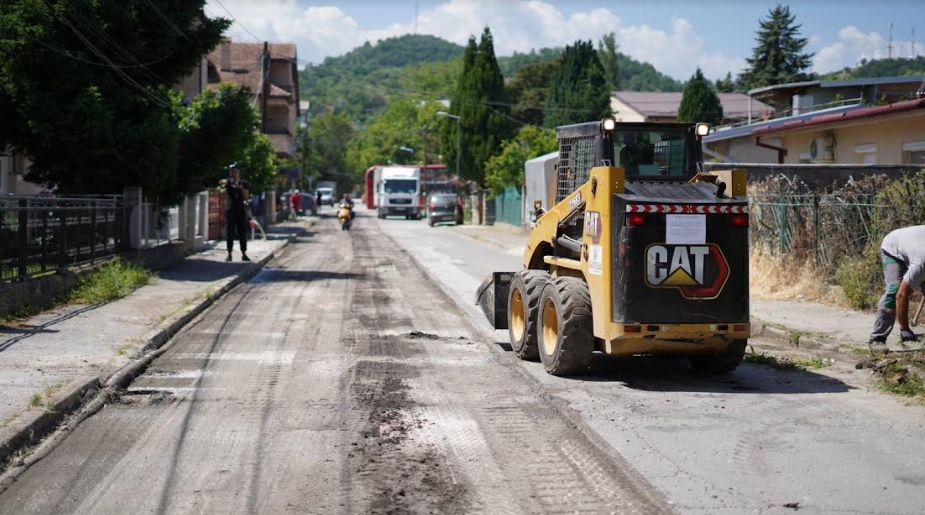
[[87, 395], [794, 338]]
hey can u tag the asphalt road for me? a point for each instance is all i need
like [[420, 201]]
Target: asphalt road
[[756, 441], [339, 380]]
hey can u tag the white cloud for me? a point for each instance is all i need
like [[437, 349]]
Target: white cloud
[[854, 45], [519, 25]]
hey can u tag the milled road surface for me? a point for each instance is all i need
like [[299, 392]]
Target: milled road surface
[[758, 440], [339, 380]]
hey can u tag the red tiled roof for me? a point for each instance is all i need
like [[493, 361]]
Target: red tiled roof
[[244, 63], [827, 119], [662, 104]]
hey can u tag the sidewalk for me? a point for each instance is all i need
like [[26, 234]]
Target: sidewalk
[[796, 324], [54, 361]]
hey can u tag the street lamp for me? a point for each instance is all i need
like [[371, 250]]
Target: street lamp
[[458, 134]]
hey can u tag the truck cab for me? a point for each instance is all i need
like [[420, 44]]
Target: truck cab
[[399, 193]]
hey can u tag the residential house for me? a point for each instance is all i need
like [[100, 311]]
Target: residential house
[[276, 98], [859, 121], [647, 106]]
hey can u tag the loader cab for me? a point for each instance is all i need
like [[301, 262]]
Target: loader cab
[[646, 151]]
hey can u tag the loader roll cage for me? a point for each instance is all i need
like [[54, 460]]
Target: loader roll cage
[[646, 151]]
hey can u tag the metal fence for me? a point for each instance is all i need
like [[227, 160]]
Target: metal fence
[[823, 228], [509, 207], [39, 235]]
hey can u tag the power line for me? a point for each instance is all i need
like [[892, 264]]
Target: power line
[[166, 19], [87, 61], [129, 80], [237, 21], [101, 35]]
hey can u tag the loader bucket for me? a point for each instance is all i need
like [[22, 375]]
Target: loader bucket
[[492, 297]]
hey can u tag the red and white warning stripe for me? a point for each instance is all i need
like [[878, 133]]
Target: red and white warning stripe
[[687, 208]]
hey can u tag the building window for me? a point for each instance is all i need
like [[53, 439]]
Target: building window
[[866, 153], [914, 152]]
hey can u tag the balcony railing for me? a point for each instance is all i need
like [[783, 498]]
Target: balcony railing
[[760, 117]]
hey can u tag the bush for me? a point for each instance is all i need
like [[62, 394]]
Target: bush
[[111, 281], [861, 278]]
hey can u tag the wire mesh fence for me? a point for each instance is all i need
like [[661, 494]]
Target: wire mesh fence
[[39, 235], [819, 228]]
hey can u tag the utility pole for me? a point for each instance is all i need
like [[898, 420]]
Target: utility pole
[[264, 85], [889, 48], [424, 176]]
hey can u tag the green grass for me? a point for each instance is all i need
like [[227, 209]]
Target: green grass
[[897, 379], [35, 401], [769, 361], [111, 281], [813, 362]]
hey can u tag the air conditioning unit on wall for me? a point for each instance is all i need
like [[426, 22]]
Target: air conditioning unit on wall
[[822, 149]]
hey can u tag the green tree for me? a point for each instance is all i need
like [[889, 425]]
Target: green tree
[[699, 102], [507, 168], [85, 89], [579, 91], [726, 84], [329, 136], [401, 125], [607, 52], [219, 128], [529, 91], [779, 56], [481, 102]]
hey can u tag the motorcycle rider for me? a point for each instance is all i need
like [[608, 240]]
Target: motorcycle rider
[[348, 203]]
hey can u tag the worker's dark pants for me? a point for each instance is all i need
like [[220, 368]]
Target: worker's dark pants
[[236, 222], [893, 272]]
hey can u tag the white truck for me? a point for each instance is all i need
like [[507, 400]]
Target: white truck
[[328, 191], [399, 192]]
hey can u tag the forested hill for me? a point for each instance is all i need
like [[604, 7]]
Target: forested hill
[[633, 75], [360, 82], [896, 67]]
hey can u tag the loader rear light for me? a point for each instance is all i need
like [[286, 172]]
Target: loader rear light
[[635, 219], [740, 328], [738, 220], [632, 329]]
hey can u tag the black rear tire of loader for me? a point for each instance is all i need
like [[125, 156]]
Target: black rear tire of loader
[[523, 310], [566, 327], [722, 363]]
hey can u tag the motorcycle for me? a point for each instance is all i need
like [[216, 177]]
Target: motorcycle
[[345, 215]]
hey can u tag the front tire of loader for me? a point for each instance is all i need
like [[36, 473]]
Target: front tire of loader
[[523, 309], [566, 327], [722, 363]]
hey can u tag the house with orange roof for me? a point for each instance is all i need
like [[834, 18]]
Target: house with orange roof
[[270, 71]]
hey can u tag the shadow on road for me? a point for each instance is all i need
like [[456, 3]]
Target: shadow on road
[[675, 375], [203, 270], [670, 374]]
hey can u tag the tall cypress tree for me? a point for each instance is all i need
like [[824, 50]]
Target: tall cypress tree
[[448, 142], [779, 57], [607, 52], [699, 102], [482, 103], [579, 91]]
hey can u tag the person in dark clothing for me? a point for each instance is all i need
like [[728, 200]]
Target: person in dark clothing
[[236, 213], [318, 198]]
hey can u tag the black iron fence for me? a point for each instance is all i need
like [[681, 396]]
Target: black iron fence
[[39, 235]]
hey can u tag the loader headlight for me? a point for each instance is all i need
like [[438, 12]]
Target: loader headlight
[[703, 129], [609, 124]]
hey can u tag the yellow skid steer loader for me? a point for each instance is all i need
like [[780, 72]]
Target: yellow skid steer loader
[[643, 253]]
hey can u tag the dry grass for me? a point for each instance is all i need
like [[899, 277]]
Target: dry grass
[[773, 278]]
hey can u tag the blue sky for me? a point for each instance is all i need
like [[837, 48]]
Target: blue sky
[[675, 36]]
